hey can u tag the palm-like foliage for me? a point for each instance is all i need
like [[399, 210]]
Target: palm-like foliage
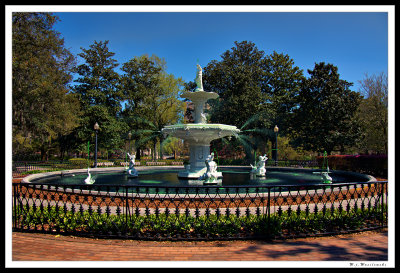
[[250, 135]]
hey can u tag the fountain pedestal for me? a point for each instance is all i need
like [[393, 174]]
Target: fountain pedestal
[[197, 161], [197, 166], [198, 136]]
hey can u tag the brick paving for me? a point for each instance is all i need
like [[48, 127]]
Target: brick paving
[[364, 246]]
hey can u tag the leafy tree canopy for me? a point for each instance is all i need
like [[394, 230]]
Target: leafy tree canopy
[[97, 88], [239, 79], [373, 113], [43, 108], [152, 98], [324, 119]]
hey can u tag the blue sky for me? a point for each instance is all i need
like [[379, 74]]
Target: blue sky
[[355, 42]]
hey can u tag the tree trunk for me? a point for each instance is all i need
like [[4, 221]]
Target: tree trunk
[[43, 153], [155, 151], [138, 154]]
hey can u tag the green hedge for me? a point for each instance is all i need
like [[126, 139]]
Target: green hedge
[[376, 165], [216, 226]]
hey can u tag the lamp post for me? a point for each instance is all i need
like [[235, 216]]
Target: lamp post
[[276, 130], [96, 129]]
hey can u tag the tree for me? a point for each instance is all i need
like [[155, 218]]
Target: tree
[[257, 91], [43, 108], [100, 97], [373, 113], [324, 120], [283, 80], [239, 79], [152, 99], [141, 77], [98, 82]]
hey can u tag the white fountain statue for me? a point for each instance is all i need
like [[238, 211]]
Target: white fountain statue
[[132, 172], [211, 175], [199, 134], [89, 179], [325, 178], [259, 168], [199, 79]]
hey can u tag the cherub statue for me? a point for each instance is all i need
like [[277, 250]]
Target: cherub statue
[[132, 171], [211, 174], [212, 166], [132, 160]]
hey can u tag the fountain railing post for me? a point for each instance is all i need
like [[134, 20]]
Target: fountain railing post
[[325, 160]]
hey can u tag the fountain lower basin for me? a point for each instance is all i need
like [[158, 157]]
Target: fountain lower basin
[[166, 176]]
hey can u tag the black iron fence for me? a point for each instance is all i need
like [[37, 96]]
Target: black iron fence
[[199, 213], [22, 168]]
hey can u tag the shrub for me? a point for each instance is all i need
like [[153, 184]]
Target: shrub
[[59, 219], [376, 165]]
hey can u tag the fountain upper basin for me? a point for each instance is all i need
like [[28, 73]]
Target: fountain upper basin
[[200, 132]]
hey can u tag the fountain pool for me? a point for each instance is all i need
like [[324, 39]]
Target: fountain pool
[[167, 177]]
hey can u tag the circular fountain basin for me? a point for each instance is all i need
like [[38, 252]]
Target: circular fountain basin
[[200, 132], [167, 177]]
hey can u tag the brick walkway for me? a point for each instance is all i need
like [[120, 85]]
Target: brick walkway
[[366, 246]]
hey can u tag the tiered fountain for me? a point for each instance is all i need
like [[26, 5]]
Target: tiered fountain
[[202, 169], [199, 134]]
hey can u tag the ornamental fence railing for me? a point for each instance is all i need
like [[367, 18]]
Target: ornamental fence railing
[[199, 212]]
